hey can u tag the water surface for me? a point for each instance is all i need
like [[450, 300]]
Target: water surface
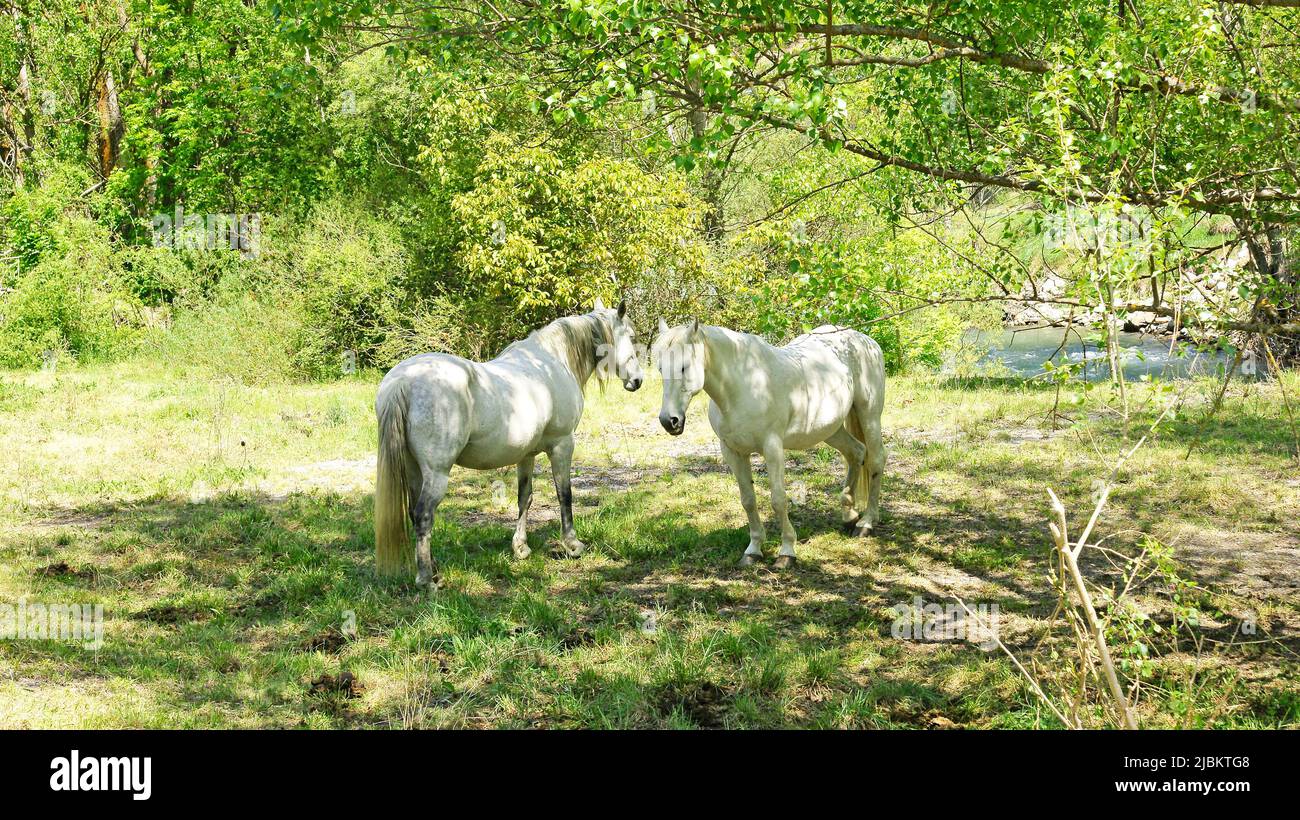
[[1024, 352]]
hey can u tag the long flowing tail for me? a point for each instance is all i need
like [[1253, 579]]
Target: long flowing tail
[[393, 554], [863, 485]]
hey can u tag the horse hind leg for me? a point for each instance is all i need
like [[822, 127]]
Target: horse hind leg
[[854, 452], [868, 424], [433, 488], [438, 426], [876, 467]]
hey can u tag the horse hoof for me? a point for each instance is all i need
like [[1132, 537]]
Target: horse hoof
[[850, 527], [749, 559], [570, 549], [863, 529], [783, 562], [522, 552]]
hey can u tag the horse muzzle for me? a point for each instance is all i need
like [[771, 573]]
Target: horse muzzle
[[632, 385], [675, 425]]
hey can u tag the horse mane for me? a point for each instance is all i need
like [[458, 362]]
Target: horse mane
[[576, 341], [681, 334], [675, 335]]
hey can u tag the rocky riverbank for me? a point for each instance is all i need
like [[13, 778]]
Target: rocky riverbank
[[1045, 301]]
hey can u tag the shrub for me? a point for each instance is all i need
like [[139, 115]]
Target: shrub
[[68, 295], [544, 236], [437, 325], [237, 336], [349, 274], [32, 220], [858, 283]]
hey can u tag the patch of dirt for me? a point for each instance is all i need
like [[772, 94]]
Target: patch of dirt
[[345, 683], [329, 641], [61, 569], [443, 661], [581, 636], [590, 486], [1003, 435], [613, 479], [702, 701], [914, 435], [172, 614], [1022, 435], [679, 448], [72, 518], [340, 475], [1261, 565], [934, 720], [941, 582]]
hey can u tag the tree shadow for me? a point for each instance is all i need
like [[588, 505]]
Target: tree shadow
[[243, 598]]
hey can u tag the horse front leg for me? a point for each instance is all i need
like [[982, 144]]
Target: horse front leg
[[740, 468], [561, 456], [774, 455], [524, 472]]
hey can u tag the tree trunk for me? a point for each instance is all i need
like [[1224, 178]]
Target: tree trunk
[[710, 180], [23, 131], [1280, 304], [110, 124]]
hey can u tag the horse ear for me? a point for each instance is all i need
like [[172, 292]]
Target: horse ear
[[695, 330], [622, 308], [600, 305], [663, 326]]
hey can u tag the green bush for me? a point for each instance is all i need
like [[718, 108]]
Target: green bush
[[32, 220], [855, 282], [543, 236], [68, 296], [236, 336], [438, 324], [349, 273], [323, 295]]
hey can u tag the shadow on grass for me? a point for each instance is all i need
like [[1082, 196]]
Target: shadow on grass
[[237, 605], [233, 607]]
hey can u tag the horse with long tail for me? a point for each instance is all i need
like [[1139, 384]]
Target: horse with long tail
[[437, 411]]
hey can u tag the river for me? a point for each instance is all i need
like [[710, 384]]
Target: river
[[1023, 352]]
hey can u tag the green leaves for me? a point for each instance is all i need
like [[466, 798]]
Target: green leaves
[[548, 236]]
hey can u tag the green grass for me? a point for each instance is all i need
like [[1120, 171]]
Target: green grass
[[226, 530]]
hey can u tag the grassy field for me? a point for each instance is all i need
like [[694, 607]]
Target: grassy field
[[226, 530]]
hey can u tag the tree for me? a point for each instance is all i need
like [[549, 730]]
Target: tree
[[1172, 107]]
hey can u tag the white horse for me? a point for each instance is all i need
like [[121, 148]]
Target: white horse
[[825, 386], [436, 410]]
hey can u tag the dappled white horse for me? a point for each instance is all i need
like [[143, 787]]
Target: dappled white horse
[[827, 385], [436, 410]]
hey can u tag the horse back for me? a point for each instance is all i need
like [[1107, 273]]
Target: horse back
[[860, 355]]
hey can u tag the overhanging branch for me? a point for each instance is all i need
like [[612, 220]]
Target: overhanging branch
[[1229, 202], [950, 48]]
